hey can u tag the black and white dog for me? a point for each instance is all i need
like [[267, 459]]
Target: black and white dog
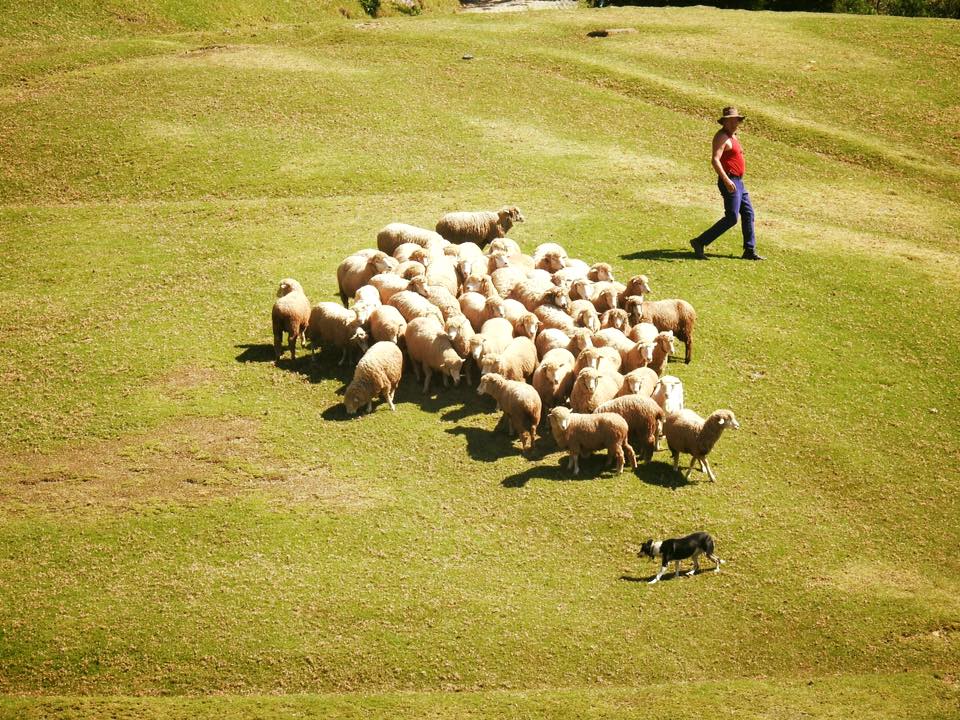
[[676, 549]]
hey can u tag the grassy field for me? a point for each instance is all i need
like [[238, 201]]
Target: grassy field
[[187, 530]]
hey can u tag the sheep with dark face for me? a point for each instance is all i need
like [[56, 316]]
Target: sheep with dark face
[[480, 227], [687, 432], [291, 315]]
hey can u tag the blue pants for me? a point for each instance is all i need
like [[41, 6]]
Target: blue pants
[[736, 203]]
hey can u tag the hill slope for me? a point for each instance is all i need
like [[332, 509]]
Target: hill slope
[[182, 517]]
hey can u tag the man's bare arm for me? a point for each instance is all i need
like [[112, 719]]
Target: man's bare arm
[[720, 143]]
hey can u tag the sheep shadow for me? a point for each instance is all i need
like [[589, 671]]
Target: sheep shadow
[[591, 468], [315, 368], [484, 445], [661, 474], [254, 352]]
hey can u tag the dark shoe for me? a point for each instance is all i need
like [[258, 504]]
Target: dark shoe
[[752, 256], [697, 249]]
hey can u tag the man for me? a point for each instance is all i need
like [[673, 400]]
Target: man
[[728, 162]]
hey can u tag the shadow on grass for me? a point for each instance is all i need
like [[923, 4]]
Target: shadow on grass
[[668, 255], [667, 576], [591, 468], [661, 474]]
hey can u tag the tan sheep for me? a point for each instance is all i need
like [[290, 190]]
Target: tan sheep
[[637, 285], [291, 315], [430, 350], [513, 311], [482, 284], [338, 326], [494, 336], [472, 305], [356, 270], [606, 295], [505, 279], [413, 305], [516, 361], [551, 316], [584, 315], [388, 284], [580, 433], [534, 293], [479, 227], [461, 333], [387, 325], [410, 269], [687, 432], [641, 381], [377, 373], [600, 272], [502, 245], [591, 388], [661, 350], [678, 316], [520, 405], [617, 319], [527, 325], [553, 378], [439, 296], [643, 418], [396, 234], [602, 359], [643, 332]]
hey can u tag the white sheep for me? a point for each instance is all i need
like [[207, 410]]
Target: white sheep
[[479, 227], [502, 245], [387, 324], [506, 278], [396, 234], [388, 284], [439, 296], [520, 405], [494, 336], [643, 418], [291, 315], [413, 305], [377, 373], [331, 323], [516, 361], [430, 350], [580, 433], [687, 432], [592, 388], [356, 270], [553, 378]]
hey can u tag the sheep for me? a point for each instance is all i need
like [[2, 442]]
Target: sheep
[[460, 332], [643, 418], [522, 262], [582, 289], [291, 315], [395, 234], [331, 323], [356, 270], [551, 261], [643, 332], [544, 249], [430, 349], [615, 318], [412, 251], [533, 293], [410, 269], [637, 285], [668, 394], [388, 284], [591, 388], [482, 284], [553, 317], [687, 432], [675, 315], [580, 433], [413, 305], [472, 305], [502, 245], [514, 311], [520, 404], [662, 347], [494, 336], [441, 271], [365, 300], [516, 361], [600, 272], [468, 251], [527, 326], [505, 278], [548, 339], [604, 359], [553, 378], [387, 324], [606, 295], [377, 373], [641, 381], [438, 296], [479, 227], [572, 271], [584, 315], [493, 307]]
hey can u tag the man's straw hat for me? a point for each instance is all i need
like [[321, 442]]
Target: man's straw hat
[[730, 112]]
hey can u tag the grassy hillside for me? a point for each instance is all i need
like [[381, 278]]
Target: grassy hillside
[[182, 518]]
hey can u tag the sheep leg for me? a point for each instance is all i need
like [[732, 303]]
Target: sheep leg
[[616, 453], [388, 396], [574, 462], [343, 356], [427, 372], [687, 350], [676, 462], [277, 345], [446, 380], [708, 469], [292, 344], [631, 456], [370, 406]]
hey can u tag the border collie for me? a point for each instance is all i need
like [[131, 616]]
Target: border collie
[[676, 549]]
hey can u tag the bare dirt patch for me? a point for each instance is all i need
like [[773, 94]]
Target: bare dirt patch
[[189, 461]]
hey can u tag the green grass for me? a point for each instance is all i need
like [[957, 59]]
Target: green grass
[[187, 530]]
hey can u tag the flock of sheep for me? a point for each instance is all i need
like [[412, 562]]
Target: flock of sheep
[[540, 332]]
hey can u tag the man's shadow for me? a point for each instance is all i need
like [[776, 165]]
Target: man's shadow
[[668, 255]]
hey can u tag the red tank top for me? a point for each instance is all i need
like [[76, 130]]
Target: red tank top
[[732, 158]]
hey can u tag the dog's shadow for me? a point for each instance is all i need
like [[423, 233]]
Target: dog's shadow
[[666, 576]]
